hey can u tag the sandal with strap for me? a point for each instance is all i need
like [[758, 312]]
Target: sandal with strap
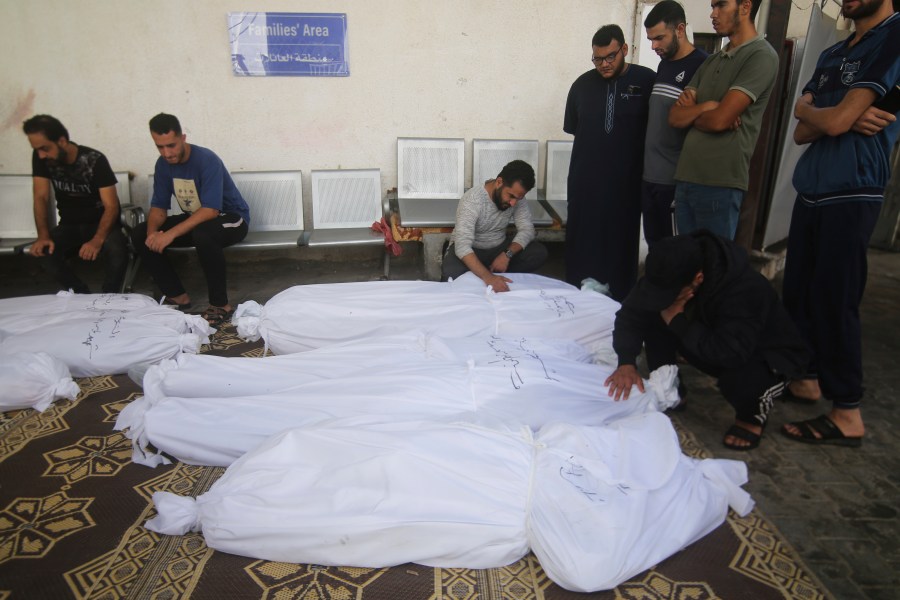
[[216, 316], [748, 436], [821, 430]]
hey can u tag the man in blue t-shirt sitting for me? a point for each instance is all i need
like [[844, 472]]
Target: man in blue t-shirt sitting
[[214, 215]]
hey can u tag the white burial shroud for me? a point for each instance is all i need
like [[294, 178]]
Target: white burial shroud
[[98, 334], [597, 505], [210, 410], [34, 380], [23, 313], [305, 317]]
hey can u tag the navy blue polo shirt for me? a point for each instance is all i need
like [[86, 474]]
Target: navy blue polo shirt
[[852, 166]]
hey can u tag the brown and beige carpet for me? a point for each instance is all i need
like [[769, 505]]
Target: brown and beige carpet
[[73, 505]]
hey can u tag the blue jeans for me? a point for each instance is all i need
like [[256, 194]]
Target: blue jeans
[[707, 207]]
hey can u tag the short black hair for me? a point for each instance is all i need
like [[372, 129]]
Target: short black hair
[[673, 262], [754, 8], [51, 127], [606, 34], [517, 170], [669, 12], [162, 124]]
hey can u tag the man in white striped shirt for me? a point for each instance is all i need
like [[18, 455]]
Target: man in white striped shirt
[[480, 241], [665, 26]]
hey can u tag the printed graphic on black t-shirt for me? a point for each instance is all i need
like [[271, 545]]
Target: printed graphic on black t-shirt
[[77, 186]]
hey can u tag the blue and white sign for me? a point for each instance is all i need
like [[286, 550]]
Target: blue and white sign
[[288, 44]]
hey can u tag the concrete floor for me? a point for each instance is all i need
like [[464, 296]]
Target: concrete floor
[[838, 507]]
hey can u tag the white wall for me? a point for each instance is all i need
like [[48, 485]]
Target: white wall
[[697, 14], [466, 68]]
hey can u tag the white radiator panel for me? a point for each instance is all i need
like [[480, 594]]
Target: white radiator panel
[[559, 154], [490, 156], [430, 168], [346, 198], [275, 199]]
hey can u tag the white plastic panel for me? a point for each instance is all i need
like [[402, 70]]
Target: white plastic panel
[[123, 187], [490, 156], [17, 207], [559, 154], [430, 168], [346, 198], [275, 199]]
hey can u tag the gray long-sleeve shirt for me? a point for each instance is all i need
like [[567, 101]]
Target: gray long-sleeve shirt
[[480, 224]]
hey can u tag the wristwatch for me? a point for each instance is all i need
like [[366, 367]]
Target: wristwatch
[[509, 254]]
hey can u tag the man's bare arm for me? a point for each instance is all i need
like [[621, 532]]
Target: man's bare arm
[[41, 192], [90, 250], [498, 282], [727, 115], [686, 110]]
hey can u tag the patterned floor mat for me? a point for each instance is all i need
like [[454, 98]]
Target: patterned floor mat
[[72, 508]]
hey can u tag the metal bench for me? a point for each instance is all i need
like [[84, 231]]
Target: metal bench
[[490, 156], [345, 205], [275, 199], [559, 154], [17, 230], [430, 180]]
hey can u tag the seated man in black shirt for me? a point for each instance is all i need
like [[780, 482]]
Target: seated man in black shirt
[[85, 189]]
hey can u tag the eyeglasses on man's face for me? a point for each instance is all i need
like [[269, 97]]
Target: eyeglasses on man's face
[[609, 58]]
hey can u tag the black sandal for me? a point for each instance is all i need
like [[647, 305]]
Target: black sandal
[[216, 316], [828, 433], [748, 436]]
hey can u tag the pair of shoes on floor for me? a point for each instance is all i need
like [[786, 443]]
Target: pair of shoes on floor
[[748, 436], [166, 301], [821, 430], [216, 316]]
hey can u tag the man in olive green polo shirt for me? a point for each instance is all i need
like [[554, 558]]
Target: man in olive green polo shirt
[[723, 106]]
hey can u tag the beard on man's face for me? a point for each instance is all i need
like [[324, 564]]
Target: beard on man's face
[[497, 197]]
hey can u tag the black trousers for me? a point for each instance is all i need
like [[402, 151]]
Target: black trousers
[[209, 238], [602, 242], [751, 388], [824, 278], [68, 239], [529, 260], [656, 210]]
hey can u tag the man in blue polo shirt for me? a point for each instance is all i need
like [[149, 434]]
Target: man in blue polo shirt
[[840, 182], [214, 215]]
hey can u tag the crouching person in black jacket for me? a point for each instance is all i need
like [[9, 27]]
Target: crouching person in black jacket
[[700, 297]]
